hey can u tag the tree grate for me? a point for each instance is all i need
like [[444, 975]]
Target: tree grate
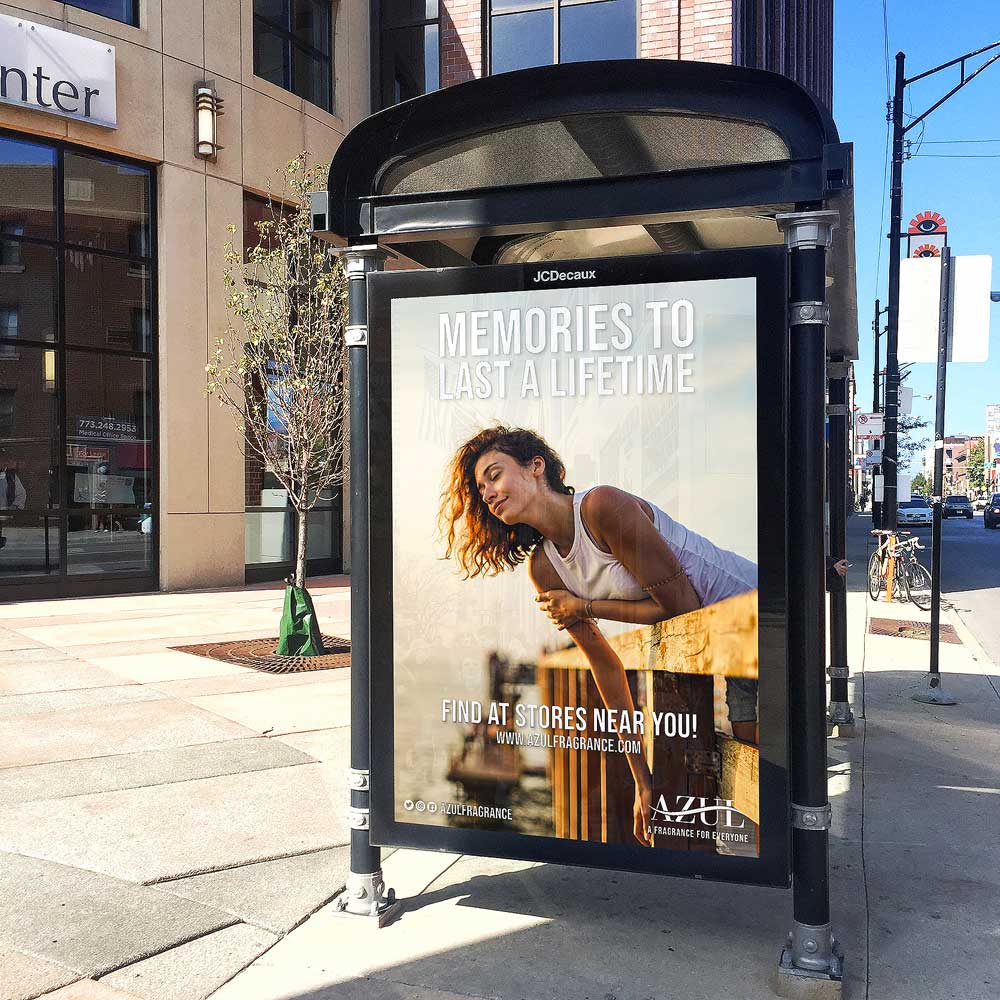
[[910, 630], [259, 654]]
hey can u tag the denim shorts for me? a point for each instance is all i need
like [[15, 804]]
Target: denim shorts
[[741, 697]]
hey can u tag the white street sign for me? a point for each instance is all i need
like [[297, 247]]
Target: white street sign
[[919, 307], [868, 425], [902, 488], [872, 459], [58, 72], [905, 399]]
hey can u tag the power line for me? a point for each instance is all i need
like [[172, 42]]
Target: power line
[[960, 156], [948, 142]]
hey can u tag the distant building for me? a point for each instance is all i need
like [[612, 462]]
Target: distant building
[[991, 454]]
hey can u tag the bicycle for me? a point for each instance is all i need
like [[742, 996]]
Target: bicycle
[[915, 575], [896, 559]]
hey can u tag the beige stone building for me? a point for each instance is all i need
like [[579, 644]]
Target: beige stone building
[[116, 472]]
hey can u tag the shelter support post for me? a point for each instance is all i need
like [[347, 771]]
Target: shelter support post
[[839, 718], [365, 894], [812, 962], [934, 693]]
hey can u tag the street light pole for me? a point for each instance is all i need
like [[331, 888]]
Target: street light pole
[[876, 407], [889, 449]]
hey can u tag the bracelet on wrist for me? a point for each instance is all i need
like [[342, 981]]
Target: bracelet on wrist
[[589, 609]]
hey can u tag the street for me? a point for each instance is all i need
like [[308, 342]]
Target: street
[[970, 570]]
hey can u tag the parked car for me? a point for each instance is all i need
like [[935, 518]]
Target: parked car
[[957, 505], [980, 503], [916, 511], [991, 515]]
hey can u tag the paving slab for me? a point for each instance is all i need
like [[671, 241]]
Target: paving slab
[[23, 977], [42, 702], [11, 640], [112, 729], [170, 831], [86, 921], [165, 665], [37, 653], [194, 970], [934, 921], [53, 673], [275, 895], [331, 746], [246, 680], [89, 989], [139, 770], [286, 710]]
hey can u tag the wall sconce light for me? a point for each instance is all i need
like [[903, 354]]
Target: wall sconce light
[[208, 108]]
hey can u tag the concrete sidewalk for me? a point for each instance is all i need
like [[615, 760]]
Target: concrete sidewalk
[[104, 895]]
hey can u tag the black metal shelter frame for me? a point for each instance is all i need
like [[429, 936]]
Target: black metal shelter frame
[[545, 164]]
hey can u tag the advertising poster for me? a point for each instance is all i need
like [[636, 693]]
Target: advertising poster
[[573, 514]]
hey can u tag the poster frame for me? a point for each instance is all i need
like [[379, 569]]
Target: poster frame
[[768, 266]]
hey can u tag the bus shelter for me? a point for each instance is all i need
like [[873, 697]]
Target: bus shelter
[[620, 197]]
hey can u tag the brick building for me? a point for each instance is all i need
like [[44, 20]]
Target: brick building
[[112, 228]]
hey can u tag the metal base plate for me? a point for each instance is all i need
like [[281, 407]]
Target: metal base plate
[[807, 984], [841, 730], [934, 694], [382, 915]]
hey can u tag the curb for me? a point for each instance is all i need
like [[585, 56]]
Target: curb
[[970, 641]]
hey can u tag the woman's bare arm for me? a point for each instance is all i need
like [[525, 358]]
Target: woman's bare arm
[[620, 525], [605, 665]]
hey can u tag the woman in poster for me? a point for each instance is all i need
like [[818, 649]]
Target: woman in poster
[[600, 553]]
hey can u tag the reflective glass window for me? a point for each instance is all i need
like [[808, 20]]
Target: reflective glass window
[[27, 195], [108, 301], [108, 541], [292, 47], [29, 292], [125, 11], [109, 424], [522, 40], [411, 55], [107, 205], [602, 30], [524, 32], [29, 430]]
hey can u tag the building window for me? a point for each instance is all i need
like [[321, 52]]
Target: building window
[[10, 250], [126, 11], [525, 33], [291, 47], [9, 320], [411, 58], [77, 340]]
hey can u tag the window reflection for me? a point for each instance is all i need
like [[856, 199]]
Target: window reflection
[[410, 50]]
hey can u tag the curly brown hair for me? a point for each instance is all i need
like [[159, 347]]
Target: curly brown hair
[[480, 542]]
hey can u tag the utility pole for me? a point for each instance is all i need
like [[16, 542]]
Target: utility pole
[[889, 449], [876, 408], [934, 694]]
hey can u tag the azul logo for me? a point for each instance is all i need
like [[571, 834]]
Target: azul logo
[[563, 275], [687, 808]]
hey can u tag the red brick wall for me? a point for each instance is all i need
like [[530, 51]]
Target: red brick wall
[[461, 41], [707, 31], [658, 38]]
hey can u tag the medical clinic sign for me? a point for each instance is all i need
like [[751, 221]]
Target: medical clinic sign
[[44, 69]]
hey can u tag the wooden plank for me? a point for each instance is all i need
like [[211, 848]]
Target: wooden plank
[[740, 776], [720, 639]]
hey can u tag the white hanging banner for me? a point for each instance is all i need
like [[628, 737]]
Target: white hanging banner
[[902, 488], [919, 309], [905, 400]]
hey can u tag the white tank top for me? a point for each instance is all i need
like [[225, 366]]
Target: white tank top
[[590, 573]]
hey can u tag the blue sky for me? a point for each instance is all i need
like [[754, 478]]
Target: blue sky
[[966, 190]]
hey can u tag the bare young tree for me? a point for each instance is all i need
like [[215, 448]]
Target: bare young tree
[[282, 365]]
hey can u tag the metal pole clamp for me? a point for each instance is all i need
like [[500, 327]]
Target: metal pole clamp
[[357, 818], [358, 780], [809, 313], [356, 336], [838, 672], [811, 817]]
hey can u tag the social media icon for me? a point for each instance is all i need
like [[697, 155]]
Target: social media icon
[[408, 805], [421, 805], [432, 807]]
